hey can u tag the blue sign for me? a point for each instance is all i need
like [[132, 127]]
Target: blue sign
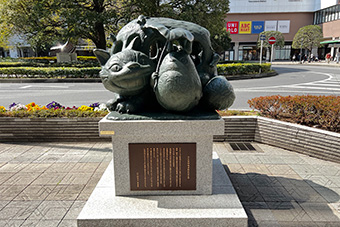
[[262, 37], [257, 27]]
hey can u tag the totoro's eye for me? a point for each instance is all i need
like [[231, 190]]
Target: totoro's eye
[[115, 68]]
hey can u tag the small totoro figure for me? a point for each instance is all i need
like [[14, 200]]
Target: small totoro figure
[[163, 63]]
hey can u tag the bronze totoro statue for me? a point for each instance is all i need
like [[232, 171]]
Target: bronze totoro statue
[[162, 63]]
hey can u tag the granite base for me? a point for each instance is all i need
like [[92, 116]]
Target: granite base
[[221, 208]]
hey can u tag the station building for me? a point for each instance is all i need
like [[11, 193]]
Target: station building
[[247, 18]]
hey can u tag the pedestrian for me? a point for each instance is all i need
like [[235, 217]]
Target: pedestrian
[[337, 57], [293, 58], [328, 57]]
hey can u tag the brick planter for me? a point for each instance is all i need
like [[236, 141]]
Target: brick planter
[[310, 141], [47, 130], [306, 140]]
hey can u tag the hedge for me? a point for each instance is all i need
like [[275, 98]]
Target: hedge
[[79, 64], [91, 69], [49, 72], [241, 69], [314, 111]]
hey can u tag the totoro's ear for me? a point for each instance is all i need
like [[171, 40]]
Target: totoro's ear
[[102, 56]]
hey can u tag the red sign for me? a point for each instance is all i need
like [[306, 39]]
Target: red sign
[[232, 27], [271, 40]]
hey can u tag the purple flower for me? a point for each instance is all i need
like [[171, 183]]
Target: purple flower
[[13, 104], [94, 105], [53, 105]]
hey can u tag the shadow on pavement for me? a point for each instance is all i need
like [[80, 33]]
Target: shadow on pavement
[[271, 196]]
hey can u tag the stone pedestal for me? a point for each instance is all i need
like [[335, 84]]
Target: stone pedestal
[[162, 174], [153, 133]]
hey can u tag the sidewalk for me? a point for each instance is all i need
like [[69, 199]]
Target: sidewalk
[[320, 63], [47, 184]]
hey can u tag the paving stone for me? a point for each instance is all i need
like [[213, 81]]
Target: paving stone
[[274, 194], [234, 168], [248, 193], [5, 176], [51, 210], [41, 223], [260, 180], [305, 194], [18, 210], [65, 192], [288, 212], [3, 204], [9, 192], [76, 178], [86, 192], [271, 159], [87, 168], [68, 223], [258, 211], [21, 178], [319, 212], [248, 159], [321, 180], [70, 158], [13, 167], [35, 192], [228, 159], [35, 168], [331, 195], [74, 211], [256, 168], [60, 167], [11, 223], [277, 170], [47, 178]]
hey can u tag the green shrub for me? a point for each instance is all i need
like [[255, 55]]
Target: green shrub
[[49, 72], [315, 111], [241, 69]]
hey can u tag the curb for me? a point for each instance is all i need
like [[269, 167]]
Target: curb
[[98, 80], [42, 80], [251, 76]]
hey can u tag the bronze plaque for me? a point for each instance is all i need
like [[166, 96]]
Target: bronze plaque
[[162, 166]]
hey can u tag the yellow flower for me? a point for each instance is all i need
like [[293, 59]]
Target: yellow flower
[[2, 109], [85, 108]]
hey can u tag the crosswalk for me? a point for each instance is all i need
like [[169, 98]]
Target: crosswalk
[[330, 85]]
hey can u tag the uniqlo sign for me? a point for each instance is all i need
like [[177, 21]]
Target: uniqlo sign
[[232, 27]]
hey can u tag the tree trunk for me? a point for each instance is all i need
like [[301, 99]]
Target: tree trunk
[[100, 39]]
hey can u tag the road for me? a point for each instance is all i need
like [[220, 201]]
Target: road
[[292, 80]]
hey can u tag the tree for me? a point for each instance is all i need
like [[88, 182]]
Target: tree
[[280, 40], [308, 37], [36, 19], [207, 13], [45, 21]]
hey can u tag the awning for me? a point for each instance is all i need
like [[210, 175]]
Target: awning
[[330, 41]]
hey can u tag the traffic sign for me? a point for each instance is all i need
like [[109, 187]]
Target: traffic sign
[[272, 40], [263, 37]]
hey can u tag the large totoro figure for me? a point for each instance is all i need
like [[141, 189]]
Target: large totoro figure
[[163, 63]]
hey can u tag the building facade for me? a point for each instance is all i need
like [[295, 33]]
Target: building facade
[[248, 18]]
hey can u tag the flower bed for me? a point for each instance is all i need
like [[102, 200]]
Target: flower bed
[[314, 111], [53, 110]]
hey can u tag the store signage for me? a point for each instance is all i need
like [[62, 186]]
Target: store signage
[[270, 25], [232, 27], [257, 27], [283, 26], [245, 27]]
